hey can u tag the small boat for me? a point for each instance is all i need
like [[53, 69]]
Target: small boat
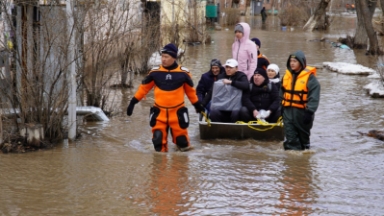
[[238, 131]]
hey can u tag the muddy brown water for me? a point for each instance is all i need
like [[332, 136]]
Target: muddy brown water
[[113, 169]]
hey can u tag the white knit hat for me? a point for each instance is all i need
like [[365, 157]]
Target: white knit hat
[[274, 67]]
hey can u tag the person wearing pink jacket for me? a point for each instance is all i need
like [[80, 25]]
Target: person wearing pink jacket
[[244, 50]]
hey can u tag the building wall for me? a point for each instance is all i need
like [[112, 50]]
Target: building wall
[[181, 11]]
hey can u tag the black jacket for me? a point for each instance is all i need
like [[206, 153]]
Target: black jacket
[[264, 97], [262, 61], [206, 83], [239, 80]]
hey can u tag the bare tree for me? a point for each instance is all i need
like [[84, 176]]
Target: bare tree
[[364, 30], [318, 16], [107, 30], [36, 87], [294, 13]]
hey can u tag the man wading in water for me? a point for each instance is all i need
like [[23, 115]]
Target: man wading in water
[[171, 82], [300, 93]]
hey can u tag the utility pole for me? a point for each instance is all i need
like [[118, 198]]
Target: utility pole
[[71, 73]]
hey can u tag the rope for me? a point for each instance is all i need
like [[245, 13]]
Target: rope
[[206, 119], [263, 123]]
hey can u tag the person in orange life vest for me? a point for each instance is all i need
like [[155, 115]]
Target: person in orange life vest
[[170, 82], [300, 93], [262, 61]]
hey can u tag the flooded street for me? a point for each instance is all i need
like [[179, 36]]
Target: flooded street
[[113, 169]]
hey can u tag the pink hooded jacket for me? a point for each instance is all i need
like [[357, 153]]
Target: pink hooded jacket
[[245, 52]]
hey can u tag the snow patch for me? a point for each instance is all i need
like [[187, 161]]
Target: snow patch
[[375, 89], [348, 68], [374, 76]]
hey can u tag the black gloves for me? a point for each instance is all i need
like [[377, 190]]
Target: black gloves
[[199, 107], [131, 106], [308, 117]]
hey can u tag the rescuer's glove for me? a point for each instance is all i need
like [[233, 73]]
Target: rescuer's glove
[[308, 117], [199, 107], [131, 105]]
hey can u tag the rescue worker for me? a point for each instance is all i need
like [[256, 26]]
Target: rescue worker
[[170, 82], [300, 93], [262, 61], [244, 50]]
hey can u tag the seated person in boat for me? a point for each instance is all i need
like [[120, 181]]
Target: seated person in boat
[[226, 94], [262, 100], [207, 79], [273, 75]]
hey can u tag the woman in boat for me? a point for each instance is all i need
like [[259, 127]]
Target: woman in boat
[[273, 74], [262, 100], [244, 50]]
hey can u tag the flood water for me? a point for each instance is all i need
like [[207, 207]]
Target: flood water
[[113, 169]]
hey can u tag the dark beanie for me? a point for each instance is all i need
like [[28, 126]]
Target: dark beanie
[[262, 72], [239, 28], [256, 41], [170, 49], [215, 62]]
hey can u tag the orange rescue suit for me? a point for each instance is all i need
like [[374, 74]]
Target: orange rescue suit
[[169, 111], [297, 95]]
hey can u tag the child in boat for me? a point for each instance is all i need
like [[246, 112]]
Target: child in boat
[[262, 60], [244, 51], [273, 74]]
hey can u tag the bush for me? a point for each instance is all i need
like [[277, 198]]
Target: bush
[[231, 16], [294, 16]]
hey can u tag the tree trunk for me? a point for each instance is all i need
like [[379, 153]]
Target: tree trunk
[[365, 10], [317, 16], [381, 23], [364, 16], [360, 39]]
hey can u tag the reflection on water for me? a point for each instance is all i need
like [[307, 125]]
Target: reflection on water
[[113, 169], [297, 193], [168, 188]]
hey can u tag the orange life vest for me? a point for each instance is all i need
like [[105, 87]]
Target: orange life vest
[[298, 96]]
